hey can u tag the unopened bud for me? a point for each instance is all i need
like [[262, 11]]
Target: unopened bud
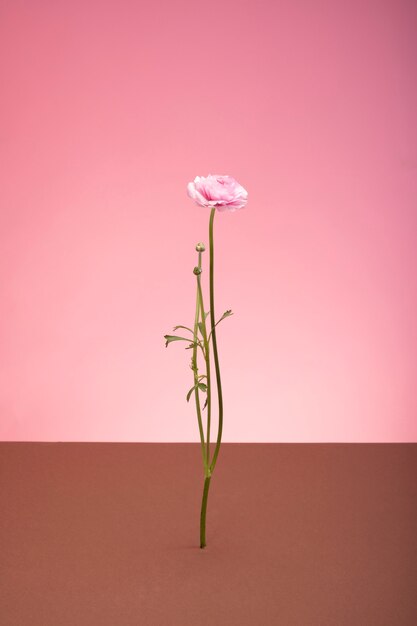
[[200, 247], [197, 271]]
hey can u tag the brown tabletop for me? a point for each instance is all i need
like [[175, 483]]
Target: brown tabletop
[[107, 534]]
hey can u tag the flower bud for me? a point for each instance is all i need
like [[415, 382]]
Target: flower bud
[[197, 271], [200, 247]]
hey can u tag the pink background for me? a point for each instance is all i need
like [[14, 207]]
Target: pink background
[[108, 109]]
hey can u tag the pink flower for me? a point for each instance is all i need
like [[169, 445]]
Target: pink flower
[[222, 192]]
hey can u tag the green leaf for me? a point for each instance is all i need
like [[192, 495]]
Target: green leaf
[[170, 338], [205, 404], [201, 386], [189, 393], [205, 315], [226, 314], [192, 344], [201, 327], [184, 327]]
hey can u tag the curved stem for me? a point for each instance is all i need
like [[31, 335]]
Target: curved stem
[[204, 512], [213, 335], [196, 377], [207, 358]]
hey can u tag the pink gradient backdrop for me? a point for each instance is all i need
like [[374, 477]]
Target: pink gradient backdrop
[[108, 109]]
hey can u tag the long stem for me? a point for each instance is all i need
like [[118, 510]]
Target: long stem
[[207, 358], [213, 334], [195, 369], [204, 512]]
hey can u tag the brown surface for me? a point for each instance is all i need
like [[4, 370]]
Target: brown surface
[[107, 534]]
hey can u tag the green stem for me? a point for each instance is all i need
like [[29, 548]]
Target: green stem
[[196, 377], [213, 335], [207, 358], [204, 512]]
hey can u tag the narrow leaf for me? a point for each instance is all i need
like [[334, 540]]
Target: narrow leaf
[[184, 327], [202, 386], [226, 314], [205, 404], [170, 338], [189, 393]]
